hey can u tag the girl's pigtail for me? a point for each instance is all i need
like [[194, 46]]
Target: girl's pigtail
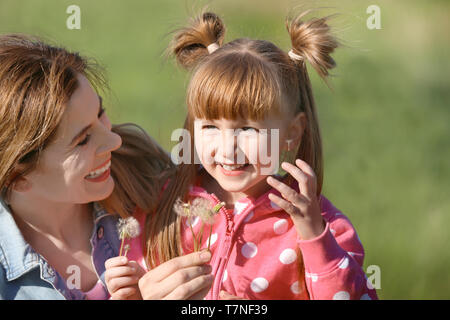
[[313, 41], [196, 41]]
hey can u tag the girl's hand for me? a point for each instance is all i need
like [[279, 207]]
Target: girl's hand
[[122, 278], [184, 277], [303, 207]]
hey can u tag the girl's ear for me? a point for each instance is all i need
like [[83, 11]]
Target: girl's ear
[[297, 128]]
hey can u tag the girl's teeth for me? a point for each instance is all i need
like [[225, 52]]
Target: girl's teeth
[[96, 173], [232, 167]]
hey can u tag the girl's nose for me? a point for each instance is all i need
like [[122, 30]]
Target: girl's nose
[[228, 147]]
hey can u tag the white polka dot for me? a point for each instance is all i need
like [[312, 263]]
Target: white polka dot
[[213, 239], [280, 226], [295, 288], [341, 295], [365, 297], [344, 263], [351, 253], [259, 285], [313, 276], [249, 216], [239, 207], [192, 221], [249, 250], [288, 256], [274, 205], [333, 231], [225, 276]]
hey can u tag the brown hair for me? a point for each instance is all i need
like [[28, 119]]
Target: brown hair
[[246, 78], [36, 82]]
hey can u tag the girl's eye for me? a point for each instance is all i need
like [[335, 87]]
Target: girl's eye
[[249, 129], [84, 141], [209, 126]]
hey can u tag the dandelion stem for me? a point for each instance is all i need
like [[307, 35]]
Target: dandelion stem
[[121, 247], [193, 234], [209, 239], [201, 236]]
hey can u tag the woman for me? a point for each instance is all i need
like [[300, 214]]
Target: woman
[[56, 153]]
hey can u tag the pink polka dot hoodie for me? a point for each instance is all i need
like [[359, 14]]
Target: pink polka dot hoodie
[[256, 253]]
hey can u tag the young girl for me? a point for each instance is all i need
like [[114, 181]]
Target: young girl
[[277, 236]]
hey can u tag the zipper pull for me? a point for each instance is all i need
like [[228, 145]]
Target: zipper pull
[[230, 225]]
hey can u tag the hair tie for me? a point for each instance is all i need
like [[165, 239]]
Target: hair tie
[[294, 56], [212, 47]]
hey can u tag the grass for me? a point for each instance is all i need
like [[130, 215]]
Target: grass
[[384, 125]]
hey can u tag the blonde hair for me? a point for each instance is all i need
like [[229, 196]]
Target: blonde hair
[[36, 82], [247, 78]]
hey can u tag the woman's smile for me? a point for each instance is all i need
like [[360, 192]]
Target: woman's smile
[[101, 173]]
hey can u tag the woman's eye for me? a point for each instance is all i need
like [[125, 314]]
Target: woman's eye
[[102, 112], [84, 141]]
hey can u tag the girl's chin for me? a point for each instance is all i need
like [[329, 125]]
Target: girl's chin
[[246, 188]]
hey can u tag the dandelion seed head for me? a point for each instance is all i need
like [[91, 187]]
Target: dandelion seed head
[[128, 228], [181, 208]]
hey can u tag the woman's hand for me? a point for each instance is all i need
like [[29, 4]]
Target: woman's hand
[[303, 207], [122, 278], [224, 295], [184, 277]]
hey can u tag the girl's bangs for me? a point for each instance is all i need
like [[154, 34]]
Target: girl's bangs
[[237, 86]]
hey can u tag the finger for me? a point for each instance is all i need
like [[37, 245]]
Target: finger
[[139, 270], [227, 296], [306, 183], [287, 192], [285, 205], [118, 272], [305, 167], [182, 277], [296, 172], [190, 288], [117, 283], [124, 293], [116, 262], [200, 295], [194, 259]]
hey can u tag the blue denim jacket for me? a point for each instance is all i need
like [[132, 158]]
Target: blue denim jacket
[[25, 274]]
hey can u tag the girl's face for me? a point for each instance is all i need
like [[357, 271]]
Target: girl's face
[[240, 153], [74, 168]]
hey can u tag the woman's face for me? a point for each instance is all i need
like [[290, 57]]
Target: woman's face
[[240, 153], [74, 168]]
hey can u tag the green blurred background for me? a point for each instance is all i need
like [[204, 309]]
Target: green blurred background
[[385, 123]]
